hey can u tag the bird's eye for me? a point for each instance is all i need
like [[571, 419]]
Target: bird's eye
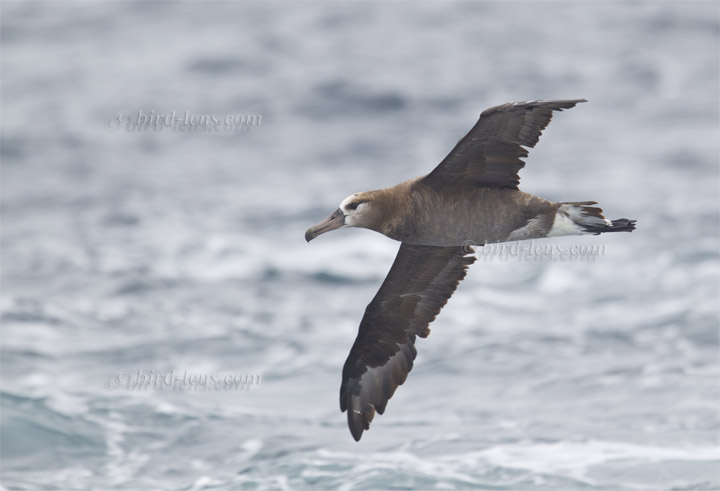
[[354, 205]]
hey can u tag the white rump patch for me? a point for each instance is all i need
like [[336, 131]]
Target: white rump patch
[[571, 220], [564, 225]]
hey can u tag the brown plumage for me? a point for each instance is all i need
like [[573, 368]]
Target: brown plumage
[[470, 198], [384, 350]]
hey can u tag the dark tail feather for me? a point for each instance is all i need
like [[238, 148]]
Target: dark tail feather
[[619, 225], [591, 219]]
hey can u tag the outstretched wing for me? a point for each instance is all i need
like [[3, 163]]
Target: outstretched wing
[[420, 282], [490, 154]]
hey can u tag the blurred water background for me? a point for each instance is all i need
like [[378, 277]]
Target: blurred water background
[[130, 252]]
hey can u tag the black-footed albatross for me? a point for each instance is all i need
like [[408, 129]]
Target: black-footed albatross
[[470, 198]]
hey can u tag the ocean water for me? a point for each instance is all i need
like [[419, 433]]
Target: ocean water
[[165, 325]]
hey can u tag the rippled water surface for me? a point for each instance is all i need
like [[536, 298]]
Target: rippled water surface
[[139, 263]]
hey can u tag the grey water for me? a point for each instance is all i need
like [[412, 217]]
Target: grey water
[[165, 325]]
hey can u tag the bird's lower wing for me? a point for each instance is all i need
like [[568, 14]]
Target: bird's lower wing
[[420, 282]]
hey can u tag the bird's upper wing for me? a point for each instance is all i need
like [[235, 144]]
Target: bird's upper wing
[[490, 154], [420, 282]]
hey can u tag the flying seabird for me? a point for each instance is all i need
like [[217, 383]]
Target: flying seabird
[[470, 198]]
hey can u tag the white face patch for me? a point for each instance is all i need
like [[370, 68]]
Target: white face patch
[[353, 208], [344, 204]]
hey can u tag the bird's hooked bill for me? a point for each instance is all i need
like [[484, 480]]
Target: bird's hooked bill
[[334, 221]]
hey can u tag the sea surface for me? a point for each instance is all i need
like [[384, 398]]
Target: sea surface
[[165, 326]]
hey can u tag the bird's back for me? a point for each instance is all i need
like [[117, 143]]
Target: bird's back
[[459, 215]]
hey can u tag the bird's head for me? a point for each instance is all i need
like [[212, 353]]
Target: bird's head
[[357, 210]]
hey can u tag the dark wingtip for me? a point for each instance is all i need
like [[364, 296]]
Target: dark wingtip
[[356, 435], [356, 424], [559, 105]]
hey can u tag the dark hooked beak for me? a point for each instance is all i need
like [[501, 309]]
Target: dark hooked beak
[[335, 220]]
